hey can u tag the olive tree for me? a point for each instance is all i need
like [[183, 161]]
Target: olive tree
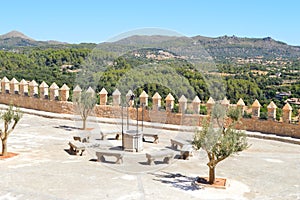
[[219, 138], [84, 104], [10, 118]]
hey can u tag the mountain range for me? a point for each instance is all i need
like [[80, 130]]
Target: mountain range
[[223, 47]]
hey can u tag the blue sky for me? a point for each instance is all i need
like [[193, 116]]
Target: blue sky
[[98, 21]]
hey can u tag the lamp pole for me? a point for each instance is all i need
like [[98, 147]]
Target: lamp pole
[[137, 118], [142, 116], [127, 105], [122, 126], [137, 127], [130, 99]]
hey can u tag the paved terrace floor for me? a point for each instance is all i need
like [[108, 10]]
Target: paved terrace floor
[[45, 170]]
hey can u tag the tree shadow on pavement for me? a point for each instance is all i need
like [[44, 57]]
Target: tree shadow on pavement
[[67, 128], [176, 180]]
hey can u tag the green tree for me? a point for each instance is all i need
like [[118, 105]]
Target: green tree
[[10, 118], [220, 142], [84, 104]]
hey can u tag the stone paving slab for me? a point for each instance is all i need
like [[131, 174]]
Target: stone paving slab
[[45, 170]]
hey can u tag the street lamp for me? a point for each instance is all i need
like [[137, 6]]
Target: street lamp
[[132, 139], [122, 126], [137, 126], [143, 116], [127, 104], [122, 115]]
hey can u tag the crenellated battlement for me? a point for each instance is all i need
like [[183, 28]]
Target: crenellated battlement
[[30, 94], [35, 96]]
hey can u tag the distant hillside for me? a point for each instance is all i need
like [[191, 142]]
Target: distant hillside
[[15, 39], [232, 46], [222, 48]]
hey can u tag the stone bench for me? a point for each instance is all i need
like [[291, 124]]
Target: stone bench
[[76, 147], [186, 151], [81, 139], [101, 153], [177, 142], [82, 136], [154, 135], [104, 134], [165, 154]]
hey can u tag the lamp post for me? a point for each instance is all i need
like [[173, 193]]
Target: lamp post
[[127, 123], [132, 139], [122, 115], [137, 126], [137, 118], [143, 116], [122, 126], [127, 103]]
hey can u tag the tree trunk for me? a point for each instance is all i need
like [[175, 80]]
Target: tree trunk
[[4, 147], [211, 174], [83, 124]]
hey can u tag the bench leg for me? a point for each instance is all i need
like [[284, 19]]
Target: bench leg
[[119, 160], [102, 136], [150, 161], [71, 150], [101, 158], [74, 151], [167, 160], [85, 140], [173, 146], [77, 138], [81, 152], [155, 139]]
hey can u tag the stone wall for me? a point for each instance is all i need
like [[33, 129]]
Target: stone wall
[[54, 99], [273, 127], [37, 103], [149, 115], [251, 124]]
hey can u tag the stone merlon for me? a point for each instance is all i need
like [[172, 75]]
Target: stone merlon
[[272, 105], [287, 107], [256, 104], [182, 99], [144, 95], [170, 97], [156, 96], [240, 102], [196, 100], [103, 91]]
